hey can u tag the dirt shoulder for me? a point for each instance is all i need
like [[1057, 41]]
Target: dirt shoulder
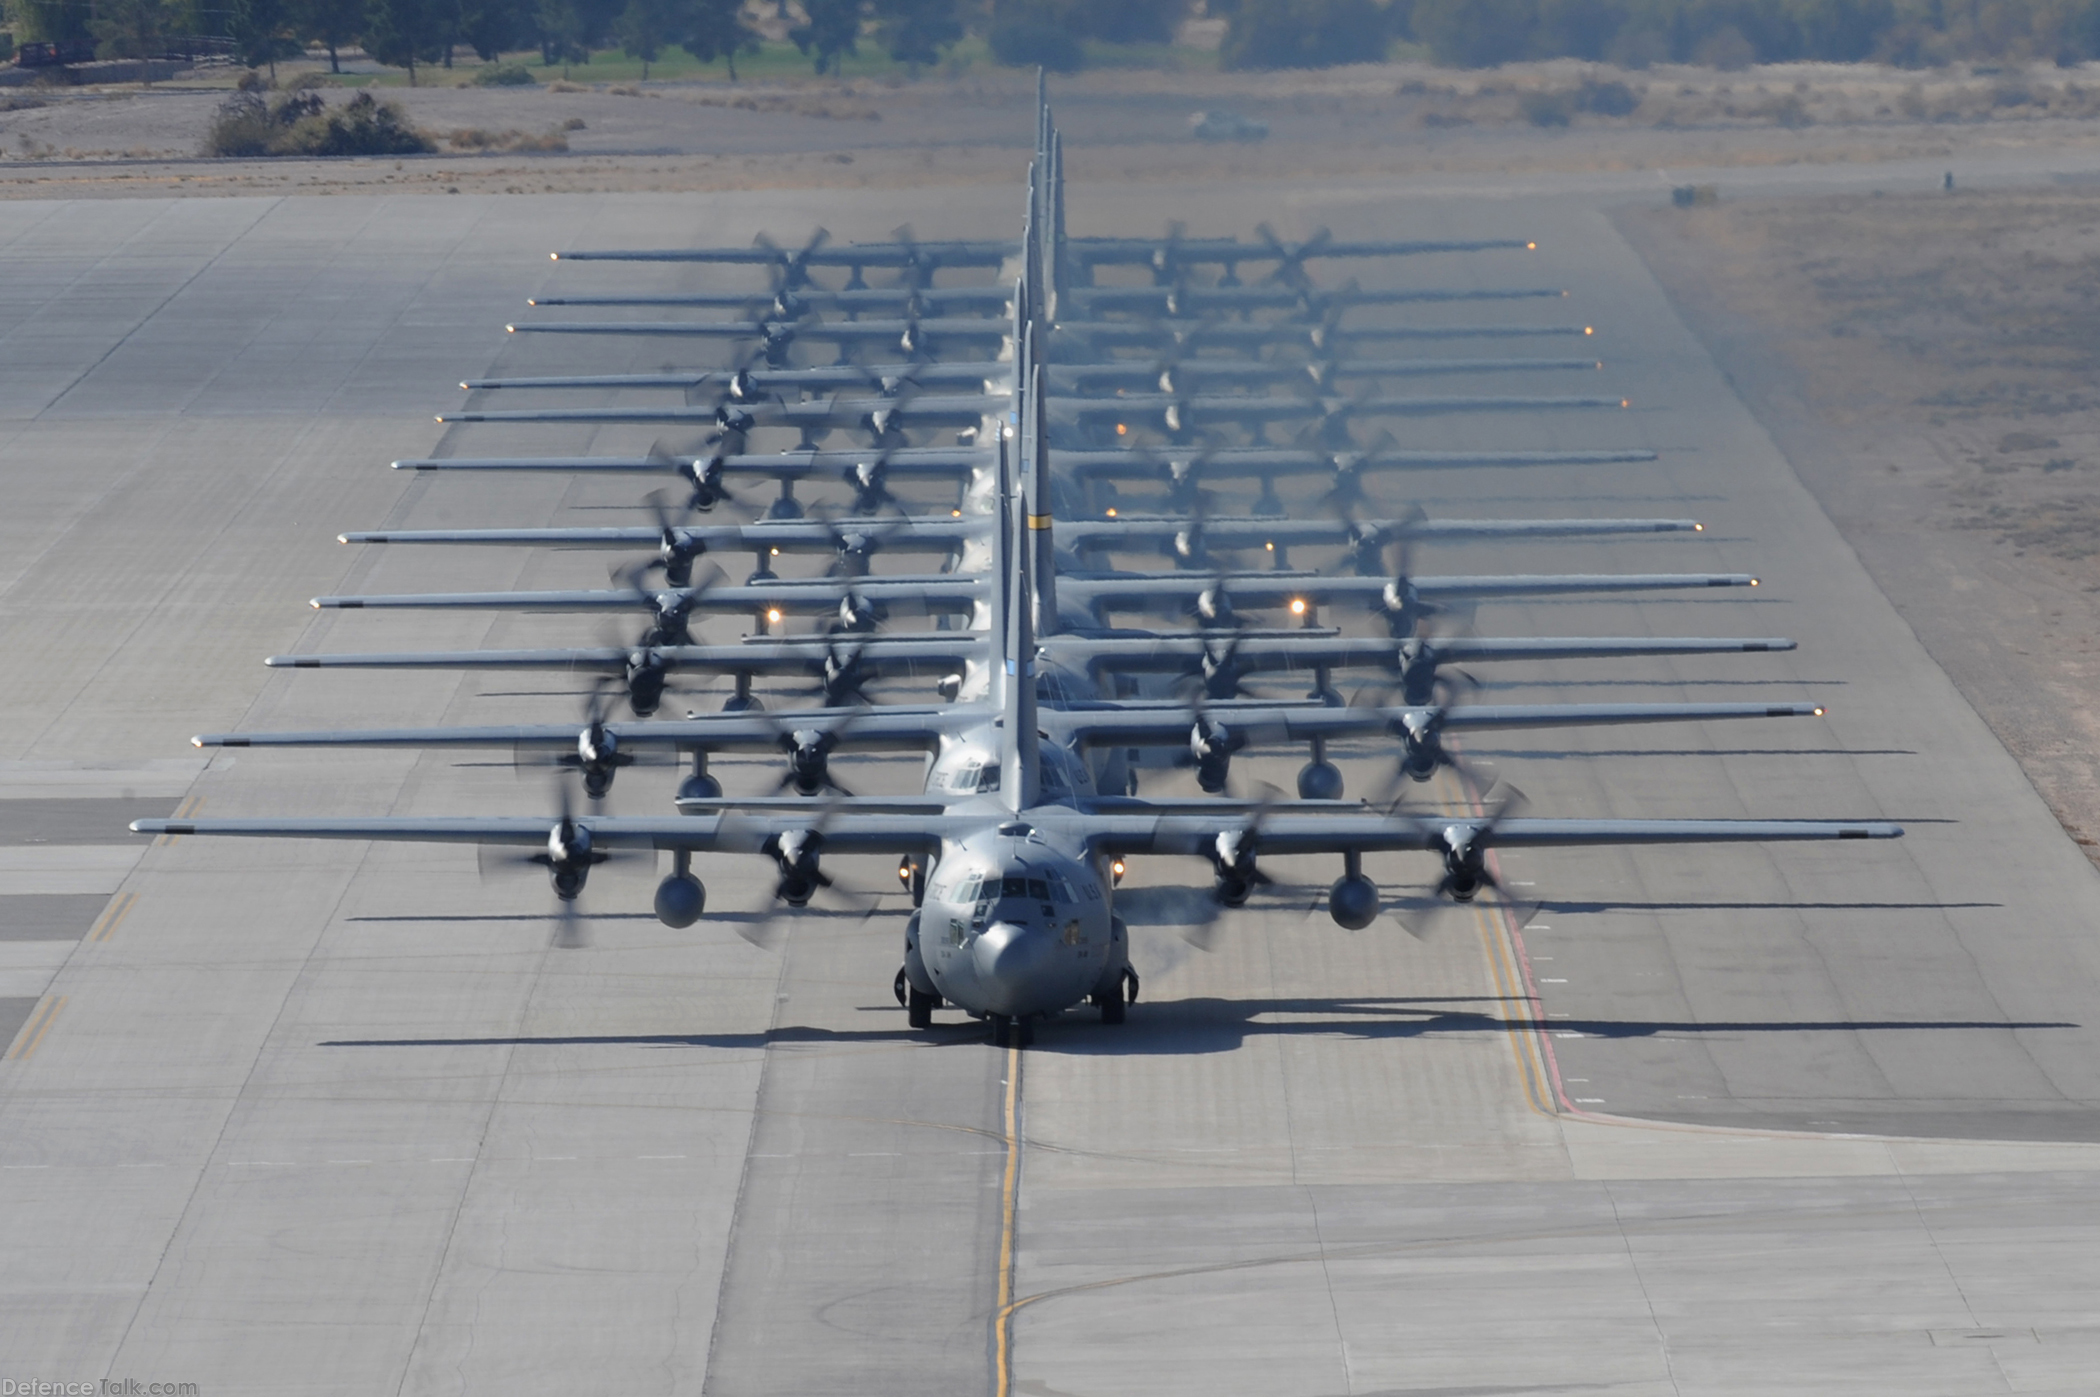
[[1928, 363]]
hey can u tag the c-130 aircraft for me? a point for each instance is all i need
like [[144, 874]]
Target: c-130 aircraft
[[1017, 921]]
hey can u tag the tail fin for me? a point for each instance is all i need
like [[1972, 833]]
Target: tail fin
[[1020, 757]]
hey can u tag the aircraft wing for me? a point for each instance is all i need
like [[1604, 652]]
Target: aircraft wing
[[729, 832], [947, 409], [802, 534], [890, 725], [747, 832], [933, 327], [1372, 832], [972, 252], [765, 656], [1241, 463], [947, 589], [1251, 724], [941, 462], [1258, 590], [835, 376], [1183, 413], [1252, 533]]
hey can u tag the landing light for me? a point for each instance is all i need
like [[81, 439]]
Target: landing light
[[1819, 712], [1698, 528], [1589, 329], [1297, 606], [1115, 871], [1753, 582], [773, 616], [1270, 546], [1111, 513], [776, 552], [1531, 247], [1625, 402], [955, 514], [1121, 429]]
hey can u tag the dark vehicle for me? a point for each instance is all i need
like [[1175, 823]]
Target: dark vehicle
[[40, 54]]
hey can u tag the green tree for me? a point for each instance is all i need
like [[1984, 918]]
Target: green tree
[[133, 29], [829, 30], [561, 34], [265, 31], [1474, 33], [914, 32], [1307, 33], [1035, 34], [1126, 21], [333, 24], [716, 29], [495, 27], [51, 21], [647, 27], [403, 33]]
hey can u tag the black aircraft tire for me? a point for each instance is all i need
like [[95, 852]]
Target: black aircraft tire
[[1114, 1006], [918, 1011]]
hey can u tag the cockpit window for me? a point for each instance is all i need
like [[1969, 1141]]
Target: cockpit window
[[972, 776]]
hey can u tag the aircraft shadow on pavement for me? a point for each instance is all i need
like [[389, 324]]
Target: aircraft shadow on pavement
[[961, 1032], [1210, 1025], [1578, 908], [1206, 1025], [1552, 754]]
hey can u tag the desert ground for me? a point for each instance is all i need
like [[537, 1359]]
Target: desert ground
[[1387, 120], [1926, 361]]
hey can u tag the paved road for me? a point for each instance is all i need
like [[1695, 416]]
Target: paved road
[[327, 1119]]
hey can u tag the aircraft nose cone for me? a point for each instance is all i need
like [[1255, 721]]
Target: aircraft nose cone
[[1008, 958]]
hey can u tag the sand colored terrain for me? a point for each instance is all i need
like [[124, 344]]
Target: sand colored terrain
[[1928, 364], [1391, 120]]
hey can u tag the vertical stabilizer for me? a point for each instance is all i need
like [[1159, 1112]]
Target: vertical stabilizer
[[1020, 756]]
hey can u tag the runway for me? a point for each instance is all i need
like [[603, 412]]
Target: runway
[[334, 1119]]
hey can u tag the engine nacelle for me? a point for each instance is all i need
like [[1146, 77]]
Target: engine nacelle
[[1353, 902], [646, 676], [1212, 745], [1321, 780], [680, 899]]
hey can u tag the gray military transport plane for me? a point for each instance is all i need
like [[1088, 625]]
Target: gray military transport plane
[[1018, 914]]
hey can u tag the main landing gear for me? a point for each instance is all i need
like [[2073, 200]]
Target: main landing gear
[[918, 1005], [1115, 1001]]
